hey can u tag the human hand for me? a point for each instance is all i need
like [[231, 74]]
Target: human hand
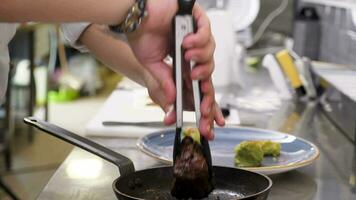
[[151, 44]]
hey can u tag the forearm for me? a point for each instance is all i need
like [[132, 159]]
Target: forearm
[[96, 11], [113, 52]]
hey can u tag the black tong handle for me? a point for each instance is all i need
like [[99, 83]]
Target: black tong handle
[[185, 7]]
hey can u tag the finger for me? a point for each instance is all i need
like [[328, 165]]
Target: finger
[[203, 72], [163, 74], [198, 39], [207, 120], [206, 128], [202, 54], [169, 89], [207, 87], [170, 117], [207, 105], [208, 115], [203, 34], [159, 98], [155, 90], [218, 116]]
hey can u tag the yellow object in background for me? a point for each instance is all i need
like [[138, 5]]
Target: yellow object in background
[[289, 68], [291, 123], [324, 84]]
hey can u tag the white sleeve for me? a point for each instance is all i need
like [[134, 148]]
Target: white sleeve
[[72, 32]]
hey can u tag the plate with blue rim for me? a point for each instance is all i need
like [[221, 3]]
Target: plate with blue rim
[[295, 152]]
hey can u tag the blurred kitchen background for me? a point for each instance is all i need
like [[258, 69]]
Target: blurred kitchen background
[[52, 80]]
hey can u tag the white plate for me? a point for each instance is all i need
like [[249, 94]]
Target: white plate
[[295, 152]]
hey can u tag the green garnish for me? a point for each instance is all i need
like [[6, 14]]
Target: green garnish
[[251, 153], [193, 133]]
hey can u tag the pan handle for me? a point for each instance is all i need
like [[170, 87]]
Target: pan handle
[[125, 164]]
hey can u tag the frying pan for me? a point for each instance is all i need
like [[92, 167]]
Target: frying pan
[[155, 183]]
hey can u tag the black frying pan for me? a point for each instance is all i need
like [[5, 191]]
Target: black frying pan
[[155, 183]]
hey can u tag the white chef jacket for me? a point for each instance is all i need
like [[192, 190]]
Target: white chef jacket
[[72, 32], [7, 32]]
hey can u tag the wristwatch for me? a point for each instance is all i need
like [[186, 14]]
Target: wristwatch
[[133, 18]]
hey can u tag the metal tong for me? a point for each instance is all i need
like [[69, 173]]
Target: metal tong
[[183, 24]]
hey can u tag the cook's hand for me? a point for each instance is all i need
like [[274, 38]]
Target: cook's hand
[[151, 44]]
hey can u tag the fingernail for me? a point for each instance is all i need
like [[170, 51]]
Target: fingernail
[[169, 110], [223, 122], [192, 61]]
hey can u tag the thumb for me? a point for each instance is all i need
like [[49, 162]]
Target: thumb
[[170, 117]]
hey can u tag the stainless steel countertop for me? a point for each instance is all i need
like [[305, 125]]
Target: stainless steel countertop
[[331, 177]]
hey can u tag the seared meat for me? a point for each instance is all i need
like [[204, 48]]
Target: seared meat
[[191, 174]]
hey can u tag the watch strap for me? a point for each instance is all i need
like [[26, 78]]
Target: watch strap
[[133, 18]]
